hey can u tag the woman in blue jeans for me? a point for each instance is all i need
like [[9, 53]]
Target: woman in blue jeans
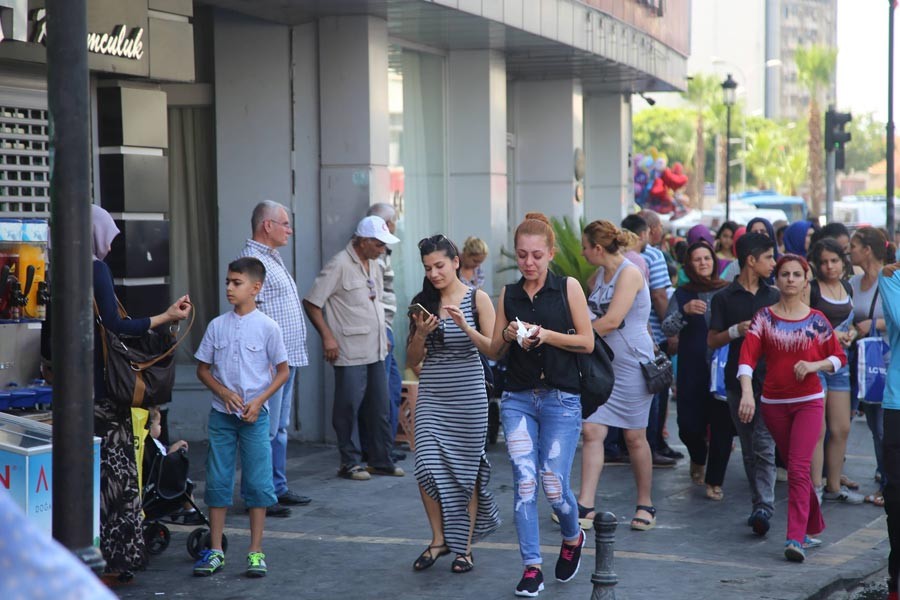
[[541, 407], [869, 249]]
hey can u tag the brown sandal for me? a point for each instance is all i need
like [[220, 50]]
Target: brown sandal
[[698, 472], [876, 499], [714, 492]]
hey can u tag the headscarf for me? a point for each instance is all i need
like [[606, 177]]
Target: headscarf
[[700, 232], [770, 231], [737, 235], [696, 282], [795, 238], [104, 231]]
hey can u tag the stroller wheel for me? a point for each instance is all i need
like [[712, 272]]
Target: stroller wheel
[[199, 540], [156, 537]]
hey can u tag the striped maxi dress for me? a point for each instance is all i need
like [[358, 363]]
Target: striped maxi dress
[[451, 425]]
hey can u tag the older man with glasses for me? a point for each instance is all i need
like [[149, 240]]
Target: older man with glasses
[[278, 298], [345, 306]]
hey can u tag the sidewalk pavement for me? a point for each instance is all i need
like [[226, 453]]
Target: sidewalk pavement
[[358, 540]]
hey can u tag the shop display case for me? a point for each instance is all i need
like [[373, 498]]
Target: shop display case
[[26, 470]]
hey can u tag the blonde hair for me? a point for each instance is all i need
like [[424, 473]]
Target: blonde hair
[[474, 246], [608, 236], [536, 223]]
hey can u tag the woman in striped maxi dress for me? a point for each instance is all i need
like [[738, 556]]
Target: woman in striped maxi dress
[[452, 407]]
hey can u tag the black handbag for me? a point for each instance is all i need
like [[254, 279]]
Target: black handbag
[[658, 373], [595, 370], [139, 371]]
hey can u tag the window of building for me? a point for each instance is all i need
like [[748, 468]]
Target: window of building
[[416, 101]]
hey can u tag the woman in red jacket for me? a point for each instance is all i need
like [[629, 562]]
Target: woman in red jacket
[[798, 343]]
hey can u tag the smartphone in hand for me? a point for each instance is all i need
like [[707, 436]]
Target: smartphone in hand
[[417, 308]]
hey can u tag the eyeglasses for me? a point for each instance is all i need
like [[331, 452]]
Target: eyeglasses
[[285, 224], [371, 284]]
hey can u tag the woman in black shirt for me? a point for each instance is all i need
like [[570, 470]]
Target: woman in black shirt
[[541, 408]]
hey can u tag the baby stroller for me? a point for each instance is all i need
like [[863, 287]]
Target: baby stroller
[[166, 489]]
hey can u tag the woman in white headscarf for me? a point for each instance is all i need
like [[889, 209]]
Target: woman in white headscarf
[[121, 539]]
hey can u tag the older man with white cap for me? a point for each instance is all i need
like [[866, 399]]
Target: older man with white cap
[[344, 305]]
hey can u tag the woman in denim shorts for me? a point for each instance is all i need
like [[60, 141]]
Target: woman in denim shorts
[[832, 295]]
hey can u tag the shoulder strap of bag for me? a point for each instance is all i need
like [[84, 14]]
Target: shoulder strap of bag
[[564, 293], [474, 293], [815, 293], [873, 331], [149, 363]]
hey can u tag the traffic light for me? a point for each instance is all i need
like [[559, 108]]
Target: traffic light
[[835, 136]]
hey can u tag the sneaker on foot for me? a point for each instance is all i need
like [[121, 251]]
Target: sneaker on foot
[[209, 562], [759, 521], [256, 564], [569, 559], [354, 472], [844, 495], [793, 551], [393, 471], [811, 542], [781, 474], [531, 584], [820, 490]]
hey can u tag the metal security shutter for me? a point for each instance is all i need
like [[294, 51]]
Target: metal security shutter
[[24, 162]]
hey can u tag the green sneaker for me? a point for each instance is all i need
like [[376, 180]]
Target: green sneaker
[[210, 561], [256, 564]]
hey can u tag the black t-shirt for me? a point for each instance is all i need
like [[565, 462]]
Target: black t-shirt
[[730, 306], [545, 366]]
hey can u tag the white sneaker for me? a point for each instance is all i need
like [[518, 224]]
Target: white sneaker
[[820, 490], [844, 495], [781, 474]]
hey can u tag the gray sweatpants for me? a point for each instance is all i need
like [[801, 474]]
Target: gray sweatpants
[[758, 452]]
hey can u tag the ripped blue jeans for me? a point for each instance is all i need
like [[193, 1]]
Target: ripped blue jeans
[[542, 427]]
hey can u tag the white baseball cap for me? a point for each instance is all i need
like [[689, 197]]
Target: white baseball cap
[[375, 227]]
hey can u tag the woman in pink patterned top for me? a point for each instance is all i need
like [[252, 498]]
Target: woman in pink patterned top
[[798, 343]]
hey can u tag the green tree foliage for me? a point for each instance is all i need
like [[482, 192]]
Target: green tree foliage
[[815, 69], [776, 155], [867, 145], [703, 93], [568, 260], [669, 130]]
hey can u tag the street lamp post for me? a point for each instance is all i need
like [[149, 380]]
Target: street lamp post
[[728, 95]]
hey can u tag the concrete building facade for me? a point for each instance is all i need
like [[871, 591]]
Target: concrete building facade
[[465, 114]]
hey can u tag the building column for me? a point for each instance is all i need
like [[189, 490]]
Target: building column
[[353, 101], [476, 151], [548, 134], [609, 189]]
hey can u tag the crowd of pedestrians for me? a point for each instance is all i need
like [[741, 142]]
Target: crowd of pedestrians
[[765, 336]]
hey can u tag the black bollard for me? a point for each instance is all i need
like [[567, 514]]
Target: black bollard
[[603, 577]]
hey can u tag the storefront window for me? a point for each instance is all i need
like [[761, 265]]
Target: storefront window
[[417, 168]]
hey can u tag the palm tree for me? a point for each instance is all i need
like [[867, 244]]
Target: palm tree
[[815, 69], [703, 91]]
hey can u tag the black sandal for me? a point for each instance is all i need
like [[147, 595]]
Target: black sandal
[[463, 563], [427, 558], [642, 524]]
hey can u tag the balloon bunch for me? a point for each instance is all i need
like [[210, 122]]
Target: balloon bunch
[[656, 185]]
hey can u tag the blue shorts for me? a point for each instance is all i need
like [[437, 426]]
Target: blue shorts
[[227, 432], [836, 382]]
